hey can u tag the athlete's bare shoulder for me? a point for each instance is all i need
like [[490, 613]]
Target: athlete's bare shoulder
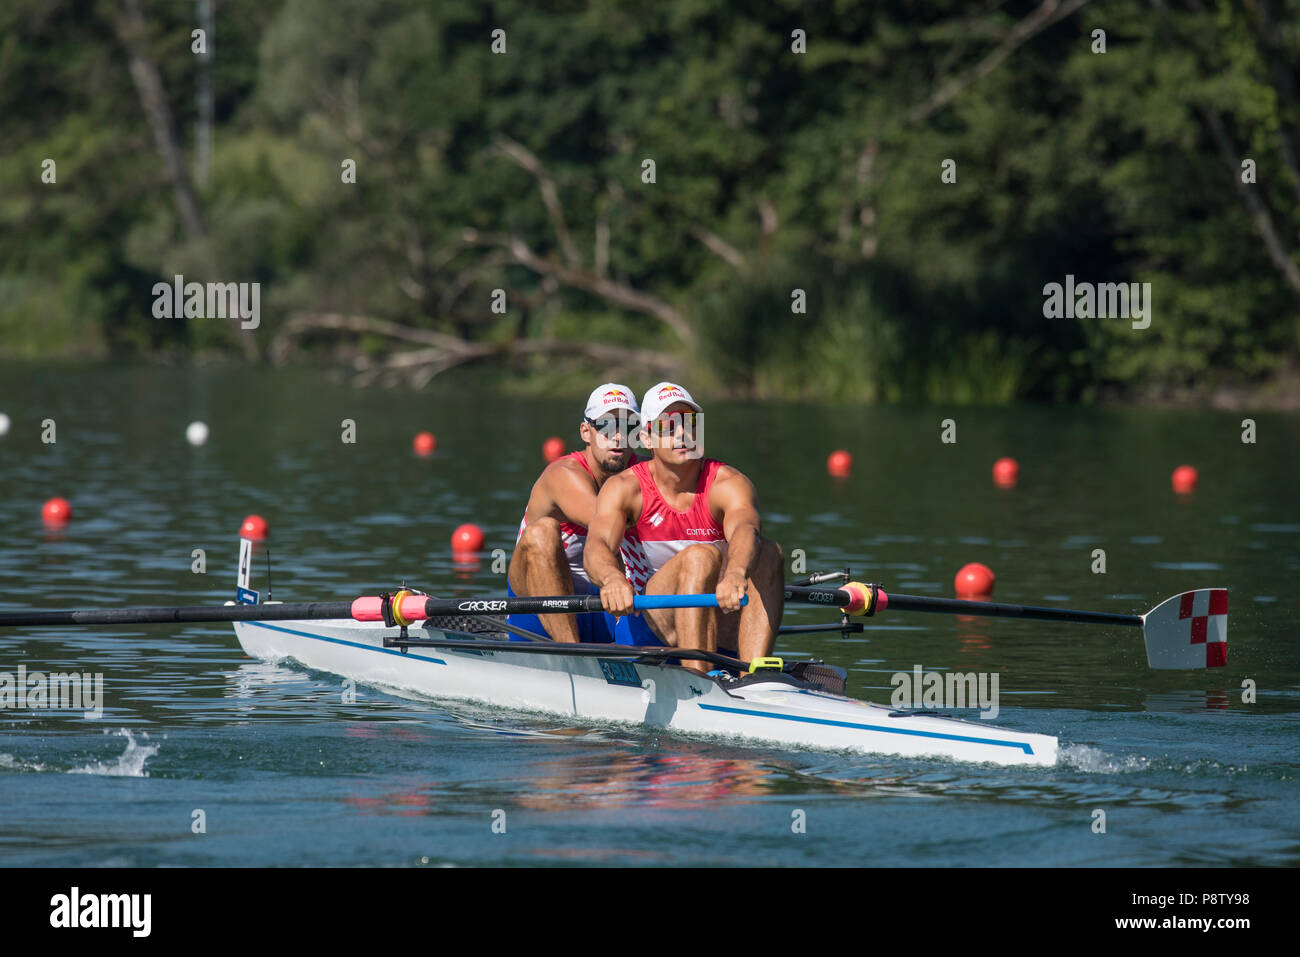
[[729, 473], [559, 482], [731, 488], [565, 467]]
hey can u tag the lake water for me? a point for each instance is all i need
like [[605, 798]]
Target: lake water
[[285, 771]]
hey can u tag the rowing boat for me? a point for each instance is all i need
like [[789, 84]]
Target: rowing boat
[[791, 706], [629, 687], [801, 704]]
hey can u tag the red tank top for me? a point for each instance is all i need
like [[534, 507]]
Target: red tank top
[[662, 531], [572, 535]]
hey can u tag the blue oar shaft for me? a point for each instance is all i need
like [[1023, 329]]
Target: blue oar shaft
[[645, 602]]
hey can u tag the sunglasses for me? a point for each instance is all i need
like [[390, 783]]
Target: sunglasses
[[670, 423], [614, 425]]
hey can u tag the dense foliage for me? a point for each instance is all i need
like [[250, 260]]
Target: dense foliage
[[777, 168]]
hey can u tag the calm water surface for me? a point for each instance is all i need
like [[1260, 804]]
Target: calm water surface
[[287, 772]]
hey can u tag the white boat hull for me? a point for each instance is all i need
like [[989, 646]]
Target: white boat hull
[[658, 696]]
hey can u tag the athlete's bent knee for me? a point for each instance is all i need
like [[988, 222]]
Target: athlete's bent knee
[[542, 535], [701, 557]]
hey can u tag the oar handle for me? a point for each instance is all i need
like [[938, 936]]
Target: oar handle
[[645, 602]]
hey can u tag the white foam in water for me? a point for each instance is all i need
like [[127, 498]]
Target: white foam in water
[[13, 764], [1084, 757], [129, 765]]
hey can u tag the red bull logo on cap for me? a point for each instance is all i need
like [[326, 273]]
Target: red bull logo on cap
[[609, 396]]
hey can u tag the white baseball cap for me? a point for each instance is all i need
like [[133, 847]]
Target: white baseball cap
[[610, 397], [661, 396]]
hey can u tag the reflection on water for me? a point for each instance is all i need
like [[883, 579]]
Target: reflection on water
[[1189, 701], [973, 633], [617, 776], [664, 781]]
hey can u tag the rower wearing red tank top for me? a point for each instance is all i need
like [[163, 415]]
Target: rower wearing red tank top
[[687, 524], [553, 532]]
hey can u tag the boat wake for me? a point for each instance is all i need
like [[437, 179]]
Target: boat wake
[[1090, 760], [130, 764], [10, 763]]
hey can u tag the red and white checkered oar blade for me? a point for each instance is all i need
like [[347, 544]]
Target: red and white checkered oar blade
[[1188, 631]]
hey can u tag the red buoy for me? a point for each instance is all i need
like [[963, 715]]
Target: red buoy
[[56, 512], [467, 539], [839, 463], [974, 581], [552, 448], [1184, 479], [424, 444], [253, 528], [1005, 472]]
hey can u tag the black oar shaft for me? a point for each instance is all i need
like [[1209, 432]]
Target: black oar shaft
[[993, 609], [837, 597], [192, 613], [292, 611]]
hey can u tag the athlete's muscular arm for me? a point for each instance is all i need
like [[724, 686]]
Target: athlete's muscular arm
[[568, 486], [616, 505], [733, 495]]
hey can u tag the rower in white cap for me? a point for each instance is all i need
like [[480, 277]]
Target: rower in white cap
[[549, 551], [685, 524]]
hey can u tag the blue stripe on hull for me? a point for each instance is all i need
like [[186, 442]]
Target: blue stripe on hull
[[341, 641], [870, 727]]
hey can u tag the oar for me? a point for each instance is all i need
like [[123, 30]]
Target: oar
[[1186, 631], [402, 608]]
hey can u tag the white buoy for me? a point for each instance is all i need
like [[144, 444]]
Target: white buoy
[[196, 433], [4, 423]]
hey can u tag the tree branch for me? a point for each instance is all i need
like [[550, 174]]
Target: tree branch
[[131, 32], [720, 247], [1050, 12], [1277, 253], [1268, 31], [615, 292], [442, 352], [466, 278], [528, 160], [301, 325]]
